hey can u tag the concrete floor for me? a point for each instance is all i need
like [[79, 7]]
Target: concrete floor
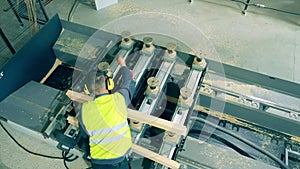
[[264, 41]]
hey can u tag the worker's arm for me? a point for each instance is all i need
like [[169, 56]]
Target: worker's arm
[[127, 87]]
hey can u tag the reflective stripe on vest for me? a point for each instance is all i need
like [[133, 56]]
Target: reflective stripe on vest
[[107, 130], [109, 139], [105, 119]]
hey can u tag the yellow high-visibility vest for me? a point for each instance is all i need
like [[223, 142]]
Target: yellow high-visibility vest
[[105, 120]]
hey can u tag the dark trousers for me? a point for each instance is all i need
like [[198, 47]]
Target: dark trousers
[[122, 165]]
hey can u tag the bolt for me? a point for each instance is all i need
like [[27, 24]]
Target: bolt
[[147, 41], [135, 122], [199, 59], [152, 82], [185, 93], [170, 134], [171, 47], [126, 36]]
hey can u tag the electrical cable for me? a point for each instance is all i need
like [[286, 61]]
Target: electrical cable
[[64, 157], [242, 140], [249, 4], [72, 10], [38, 154], [279, 10], [67, 158], [266, 7], [65, 164], [245, 3]]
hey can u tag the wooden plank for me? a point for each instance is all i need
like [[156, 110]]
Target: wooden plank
[[78, 97], [55, 65], [157, 122], [138, 116], [155, 157]]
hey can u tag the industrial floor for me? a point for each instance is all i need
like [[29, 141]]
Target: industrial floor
[[264, 41]]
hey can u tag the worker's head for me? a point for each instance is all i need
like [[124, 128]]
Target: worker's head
[[100, 86]]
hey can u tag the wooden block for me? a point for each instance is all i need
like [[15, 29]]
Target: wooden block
[[138, 116], [155, 157]]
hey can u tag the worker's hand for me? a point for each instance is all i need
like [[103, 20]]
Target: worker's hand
[[73, 120], [121, 61]]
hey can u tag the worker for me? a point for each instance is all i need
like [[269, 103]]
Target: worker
[[104, 121]]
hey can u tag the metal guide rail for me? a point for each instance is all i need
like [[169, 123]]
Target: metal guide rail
[[155, 87], [254, 103], [252, 96], [186, 102], [153, 95], [256, 107], [127, 45]]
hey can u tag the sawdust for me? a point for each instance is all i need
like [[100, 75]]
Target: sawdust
[[73, 43], [255, 93], [237, 121], [123, 9], [295, 138], [244, 89], [70, 44]]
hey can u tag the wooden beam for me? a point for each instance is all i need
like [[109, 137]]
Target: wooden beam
[[55, 65], [78, 97], [155, 157], [157, 122], [136, 115]]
